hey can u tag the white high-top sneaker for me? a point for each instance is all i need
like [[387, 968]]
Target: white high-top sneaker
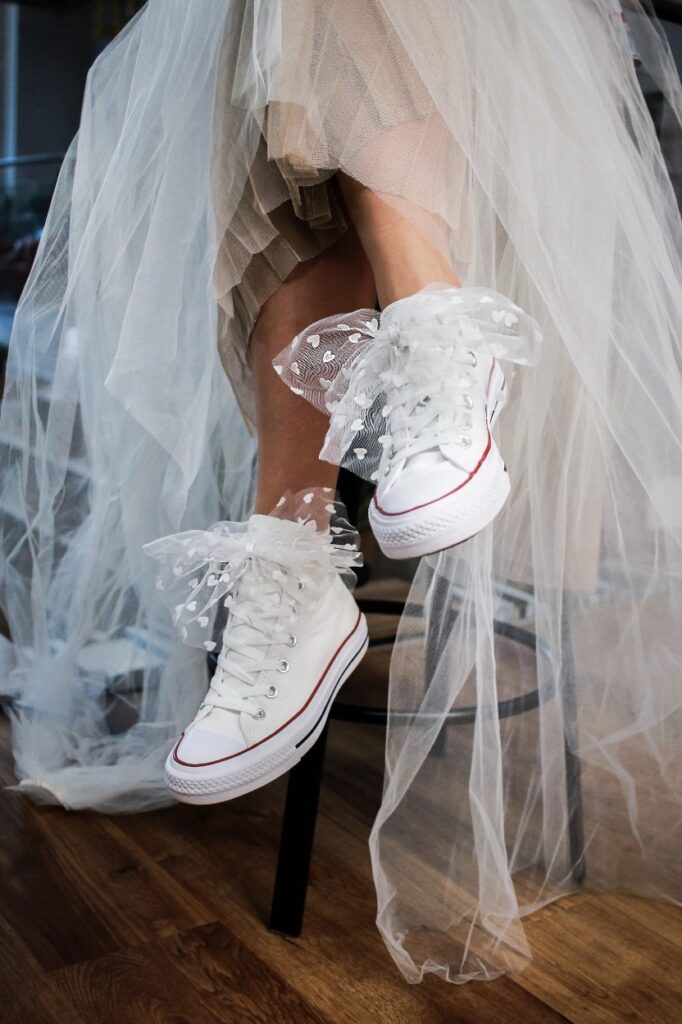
[[412, 394], [293, 635], [441, 478]]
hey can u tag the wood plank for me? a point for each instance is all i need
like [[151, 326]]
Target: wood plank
[[607, 958], [27, 996], [202, 976], [95, 891]]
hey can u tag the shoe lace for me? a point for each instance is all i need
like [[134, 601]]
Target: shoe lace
[[262, 609], [421, 412]]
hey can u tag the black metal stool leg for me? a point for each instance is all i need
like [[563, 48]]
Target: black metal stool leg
[[296, 843], [574, 795]]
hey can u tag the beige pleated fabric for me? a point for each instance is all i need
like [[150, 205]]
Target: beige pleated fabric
[[515, 137]]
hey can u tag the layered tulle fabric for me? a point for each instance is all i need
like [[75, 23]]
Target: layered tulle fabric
[[516, 138]]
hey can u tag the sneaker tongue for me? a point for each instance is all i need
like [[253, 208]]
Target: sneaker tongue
[[424, 460], [227, 723]]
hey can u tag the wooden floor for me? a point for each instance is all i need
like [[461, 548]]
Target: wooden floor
[[160, 919]]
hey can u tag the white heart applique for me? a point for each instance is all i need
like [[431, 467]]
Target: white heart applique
[[314, 340], [193, 583], [211, 581], [485, 298], [308, 498], [357, 425], [337, 529], [325, 382], [360, 452], [328, 356], [177, 570], [329, 508], [362, 400], [354, 338], [191, 606], [159, 585], [297, 391], [277, 368], [502, 316], [295, 368], [209, 645], [203, 621]]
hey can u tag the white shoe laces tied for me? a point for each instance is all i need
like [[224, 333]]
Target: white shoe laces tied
[[263, 609], [364, 367], [429, 397]]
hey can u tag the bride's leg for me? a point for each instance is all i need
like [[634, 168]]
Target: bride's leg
[[291, 432], [402, 260]]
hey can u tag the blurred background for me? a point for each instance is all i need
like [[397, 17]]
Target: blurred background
[[46, 48]]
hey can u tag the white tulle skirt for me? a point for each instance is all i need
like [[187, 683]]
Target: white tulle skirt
[[516, 138]]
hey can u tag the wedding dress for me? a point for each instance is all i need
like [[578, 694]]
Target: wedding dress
[[516, 138]]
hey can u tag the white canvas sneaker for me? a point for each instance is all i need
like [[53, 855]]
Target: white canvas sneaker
[[293, 635], [412, 394], [441, 478]]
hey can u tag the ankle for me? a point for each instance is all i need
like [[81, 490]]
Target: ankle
[[399, 285]]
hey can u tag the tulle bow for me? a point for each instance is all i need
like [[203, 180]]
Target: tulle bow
[[346, 365], [200, 568]]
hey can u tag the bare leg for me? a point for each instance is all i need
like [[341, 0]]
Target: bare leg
[[291, 431], [402, 260]]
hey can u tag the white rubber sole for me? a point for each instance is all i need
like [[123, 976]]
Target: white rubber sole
[[455, 517], [273, 757]]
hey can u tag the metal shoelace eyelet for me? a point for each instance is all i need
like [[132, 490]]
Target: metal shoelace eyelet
[[465, 441], [260, 713], [291, 641], [283, 665], [272, 691], [474, 360], [301, 584]]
